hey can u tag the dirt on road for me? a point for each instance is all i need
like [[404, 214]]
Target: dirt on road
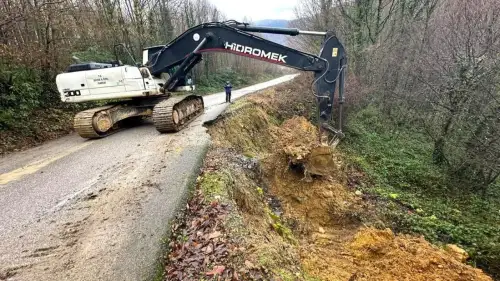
[[277, 223], [126, 209], [76, 209]]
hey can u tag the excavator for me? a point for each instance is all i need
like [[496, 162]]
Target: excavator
[[158, 87]]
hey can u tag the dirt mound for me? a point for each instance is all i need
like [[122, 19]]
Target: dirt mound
[[371, 254], [372, 243], [298, 138], [381, 255], [300, 142], [325, 214], [244, 130]]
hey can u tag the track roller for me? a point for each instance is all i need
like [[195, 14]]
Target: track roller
[[177, 112]]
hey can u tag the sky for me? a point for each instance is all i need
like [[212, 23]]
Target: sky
[[256, 9]]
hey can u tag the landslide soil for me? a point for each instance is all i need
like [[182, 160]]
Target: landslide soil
[[294, 225]]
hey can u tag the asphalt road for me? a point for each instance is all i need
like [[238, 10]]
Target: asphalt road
[[75, 209]]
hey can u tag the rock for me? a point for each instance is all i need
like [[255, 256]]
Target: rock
[[457, 252], [328, 194], [322, 237], [321, 230], [358, 193], [298, 199]]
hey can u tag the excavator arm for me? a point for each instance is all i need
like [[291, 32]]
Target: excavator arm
[[184, 52]]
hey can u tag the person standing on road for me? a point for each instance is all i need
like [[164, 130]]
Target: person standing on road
[[228, 88], [190, 82]]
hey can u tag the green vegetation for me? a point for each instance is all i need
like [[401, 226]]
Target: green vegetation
[[214, 185], [97, 54], [30, 109], [29, 95], [287, 276], [280, 227], [215, 82], [21, 91], [417, 196]]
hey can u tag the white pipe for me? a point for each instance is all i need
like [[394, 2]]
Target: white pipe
[[316, 33]]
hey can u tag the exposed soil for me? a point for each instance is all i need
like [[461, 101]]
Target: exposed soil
[[291, 224]]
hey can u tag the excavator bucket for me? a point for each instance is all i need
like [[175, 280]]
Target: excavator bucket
[[333, 136]]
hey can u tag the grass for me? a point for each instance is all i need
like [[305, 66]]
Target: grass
[[419, 196]]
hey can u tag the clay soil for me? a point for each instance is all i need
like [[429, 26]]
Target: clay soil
[[312, 227], [334, 244]]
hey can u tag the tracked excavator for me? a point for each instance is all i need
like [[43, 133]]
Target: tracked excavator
[[158, 88]]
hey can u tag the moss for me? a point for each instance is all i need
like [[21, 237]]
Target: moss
[[284, 231], [248, 154], [260, 191], [286, 276], [265, 260], [214, 185], [281, 228]]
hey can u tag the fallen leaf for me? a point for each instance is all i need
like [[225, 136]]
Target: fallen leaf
[[214, 234], [218, 269], [209, 249], [249, 264]]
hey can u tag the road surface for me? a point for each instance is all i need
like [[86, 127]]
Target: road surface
[[75, 209]]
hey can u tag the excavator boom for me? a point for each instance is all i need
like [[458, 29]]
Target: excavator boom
[[145, 90], [185, 51]]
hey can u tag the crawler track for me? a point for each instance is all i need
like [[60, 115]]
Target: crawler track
[[169, 115], [176, 113], [84, 123]]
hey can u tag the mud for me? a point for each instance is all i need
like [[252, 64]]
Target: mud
[[300, 142], [324, 220], [125, 210], [381, 255]]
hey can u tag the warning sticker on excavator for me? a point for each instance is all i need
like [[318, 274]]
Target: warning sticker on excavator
[[335, 52]]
